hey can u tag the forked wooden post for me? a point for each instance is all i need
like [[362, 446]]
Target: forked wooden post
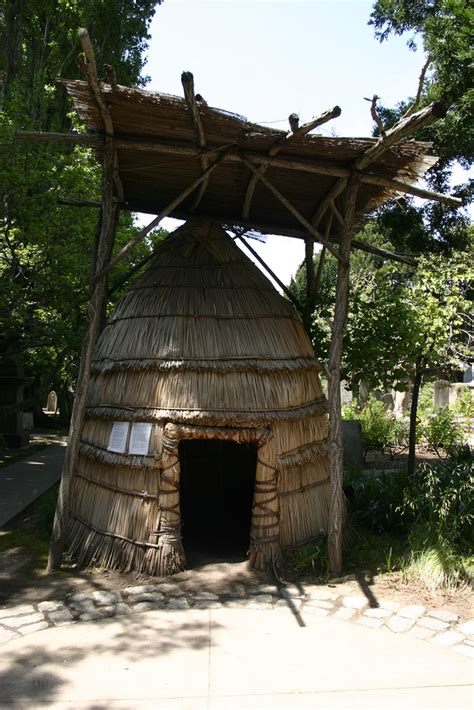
[[336, 505], [107, 236]]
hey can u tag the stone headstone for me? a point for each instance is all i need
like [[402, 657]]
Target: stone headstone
[[441, 394], [352, 443], [52, 403]]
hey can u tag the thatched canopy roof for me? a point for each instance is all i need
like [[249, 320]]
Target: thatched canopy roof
[[158, 157], [204, 336]]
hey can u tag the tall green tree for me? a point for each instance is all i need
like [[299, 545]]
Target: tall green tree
[[45, 248]]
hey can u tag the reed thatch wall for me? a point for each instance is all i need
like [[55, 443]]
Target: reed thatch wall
[[202, 346]]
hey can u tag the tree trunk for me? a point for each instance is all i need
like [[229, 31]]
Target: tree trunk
[[413, 419], [336, 509]]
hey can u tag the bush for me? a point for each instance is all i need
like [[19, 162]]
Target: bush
[[442, 433], [375, 500], [435, 563], [440, 499], [379, 427]]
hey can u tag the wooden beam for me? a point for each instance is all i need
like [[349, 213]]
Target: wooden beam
[[315, 167], [164, 213], [393, 184], [90, 70], [338, 187], [293, 135], [291, 208], [264, 228], [401, 130], [405, 127], [187, 81]]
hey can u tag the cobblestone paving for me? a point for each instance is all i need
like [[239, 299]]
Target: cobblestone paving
[[438, 626]]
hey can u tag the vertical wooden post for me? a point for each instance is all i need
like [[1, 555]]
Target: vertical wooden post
[[309, 300], [265, 551], [336, 509], [168, 556], [107, 235]]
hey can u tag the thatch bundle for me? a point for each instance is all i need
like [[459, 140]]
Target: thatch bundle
[[202, 347]]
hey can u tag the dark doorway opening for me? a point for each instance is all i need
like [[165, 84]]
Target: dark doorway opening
[[217, 487]]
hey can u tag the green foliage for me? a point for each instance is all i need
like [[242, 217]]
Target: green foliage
[[375, 500], [464, 405], [379, 427], [439, 499], [436, 563], [45, 248], [442, 432], [444, 29], [311, 559]]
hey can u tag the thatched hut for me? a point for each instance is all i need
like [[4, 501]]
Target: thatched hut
[[205, 409]]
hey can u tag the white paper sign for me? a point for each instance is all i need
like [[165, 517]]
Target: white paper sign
[[140, 439], [118, 437]]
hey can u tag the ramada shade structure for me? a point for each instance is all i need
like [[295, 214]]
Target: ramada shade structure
[[159, 155], [201, 348], [179, 157]]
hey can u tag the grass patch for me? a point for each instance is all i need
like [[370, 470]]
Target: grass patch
[[30, 530]]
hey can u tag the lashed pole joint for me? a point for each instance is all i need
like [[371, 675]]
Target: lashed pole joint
[[291, 208], [187, 81], [296, 132], [90, 70]]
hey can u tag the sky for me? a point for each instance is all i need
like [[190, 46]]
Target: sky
[[265, 59]]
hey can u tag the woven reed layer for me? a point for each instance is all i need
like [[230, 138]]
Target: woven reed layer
[[201, 339]]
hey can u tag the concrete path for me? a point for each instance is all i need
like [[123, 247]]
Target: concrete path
[[22, 482], [229, 658]]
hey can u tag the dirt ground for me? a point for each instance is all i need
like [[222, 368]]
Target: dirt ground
[[17, 586]]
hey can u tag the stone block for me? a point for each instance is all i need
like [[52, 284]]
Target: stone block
[[178, 603], [412, 611], [400, 624], [104, 598], [444, 615], [61, 617], [378, 613], [429, 622], [139, 589], [51, 606], [16, 622], [354, 602], [344, 614], [31, 628], [170, 590], [17, 610]]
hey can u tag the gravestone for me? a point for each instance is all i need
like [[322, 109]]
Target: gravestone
[[441, 394], [352, 443]]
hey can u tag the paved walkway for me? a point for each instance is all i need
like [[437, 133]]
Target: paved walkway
[[218, 658], [22, 482]]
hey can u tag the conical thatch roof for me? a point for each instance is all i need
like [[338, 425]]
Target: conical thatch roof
[[202, 347], [203, 306]]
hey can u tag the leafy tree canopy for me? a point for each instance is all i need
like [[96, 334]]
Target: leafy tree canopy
[[444, 29]]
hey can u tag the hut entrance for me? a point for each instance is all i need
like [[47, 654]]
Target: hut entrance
[[217, 488]]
